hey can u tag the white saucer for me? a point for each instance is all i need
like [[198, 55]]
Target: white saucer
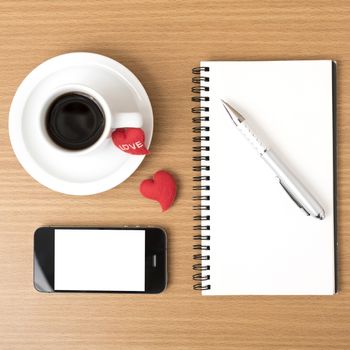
[[99, 170]]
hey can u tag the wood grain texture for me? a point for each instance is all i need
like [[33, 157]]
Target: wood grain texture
[[160, 41]]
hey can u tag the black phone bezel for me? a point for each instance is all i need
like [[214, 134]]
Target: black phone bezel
[[44, 250]]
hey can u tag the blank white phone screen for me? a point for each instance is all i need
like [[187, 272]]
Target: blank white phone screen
[[99, 260]]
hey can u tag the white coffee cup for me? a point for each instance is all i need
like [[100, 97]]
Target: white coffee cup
[[113, 119]]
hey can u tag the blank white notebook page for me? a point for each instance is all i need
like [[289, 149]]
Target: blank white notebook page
[[261, 242]]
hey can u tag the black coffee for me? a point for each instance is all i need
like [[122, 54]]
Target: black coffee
[[74, 121]]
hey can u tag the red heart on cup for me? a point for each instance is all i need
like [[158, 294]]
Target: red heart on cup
[[162, 188], [130, 140]]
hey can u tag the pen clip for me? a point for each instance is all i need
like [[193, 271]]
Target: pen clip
[[293, 198]]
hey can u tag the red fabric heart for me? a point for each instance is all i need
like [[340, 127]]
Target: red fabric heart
[[130, 140], [161, 188]]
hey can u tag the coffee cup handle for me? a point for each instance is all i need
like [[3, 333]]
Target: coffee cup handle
[[127, 120]]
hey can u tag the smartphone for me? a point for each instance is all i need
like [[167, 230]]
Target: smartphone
[[116, 260]]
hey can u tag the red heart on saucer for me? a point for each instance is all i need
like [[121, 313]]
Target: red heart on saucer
[[130, 140], [161, 188]]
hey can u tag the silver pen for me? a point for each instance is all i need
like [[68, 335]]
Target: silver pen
[[295, 189]]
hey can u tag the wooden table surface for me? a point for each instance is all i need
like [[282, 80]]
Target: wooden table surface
[[160, 41]]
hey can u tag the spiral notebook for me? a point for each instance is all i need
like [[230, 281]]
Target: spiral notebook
[[250, 238]]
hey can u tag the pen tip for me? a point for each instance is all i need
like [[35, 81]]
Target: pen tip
[[226, 106], [235, 116]]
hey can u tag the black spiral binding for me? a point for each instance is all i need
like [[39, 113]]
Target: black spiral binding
[[201, 182]]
